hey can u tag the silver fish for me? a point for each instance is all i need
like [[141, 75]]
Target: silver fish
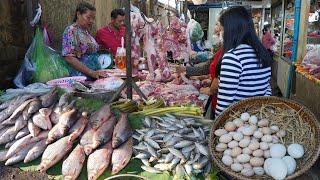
[[176, 153], [152, 143], [23, 132], [188, 169], [183, 144], [142, 156], [195, 159], [34, 106], [20, 123], [150, 133], [147, 121], [174, 163], [169, 158], [35, 151], [163, 151], [173, 141], [167, 137], [150, 169], [19, 156], [17, 112], [162, 166], [8, 136], [188, 148], [179, 172], [9, 144], [144, 161], [202, 149], [151, 151], [140, 147]]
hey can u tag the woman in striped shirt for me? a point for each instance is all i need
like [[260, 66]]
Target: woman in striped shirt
[[245, 67]]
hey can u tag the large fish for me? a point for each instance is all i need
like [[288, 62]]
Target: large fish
[[54, 153], [100, 116], [33, 129], [42, 119], [20, 123], [72, 166], [35, 151], [9, 144], [64, 99], [54, 134], [8, 136], [121, 132], [3, 155], [49, 99], [6, 104], [121, 156], [22, 133], [20, 155], [98, 161], [87, 137], [25, 114], [23, 142], [17, 112], [55, 114], [102, 135], [67, 119], [77, 129], [34, 106]]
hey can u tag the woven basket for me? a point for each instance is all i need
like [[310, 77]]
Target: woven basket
[[303, 164]]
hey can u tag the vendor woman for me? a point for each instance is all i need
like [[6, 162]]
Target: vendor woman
[[79, 48]]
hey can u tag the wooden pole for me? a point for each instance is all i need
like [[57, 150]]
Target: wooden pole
[[128, 49], [304, 15]]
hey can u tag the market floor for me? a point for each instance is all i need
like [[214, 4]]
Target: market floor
[[12, 173]]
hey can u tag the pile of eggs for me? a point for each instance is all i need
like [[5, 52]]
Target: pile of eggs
[[252, 147]]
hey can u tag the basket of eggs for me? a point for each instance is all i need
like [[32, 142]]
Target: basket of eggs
[[265, 138]]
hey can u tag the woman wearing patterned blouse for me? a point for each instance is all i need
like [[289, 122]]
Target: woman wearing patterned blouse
[[79, 48]]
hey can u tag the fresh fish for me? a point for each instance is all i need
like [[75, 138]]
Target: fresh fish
[[152, 151], [55, 114], [158, 137], [121, 156], [23, 142], [33, 129], [173, 141], [162, 166], [67, 119], [3, 155], [186, 155], [169, 158], [165, 125], [122, 131], [23, 132], [138, 138], [140, 147], [176, 153], [167, 137], [70, 106], [64, 99], [54, 153], [42, 119], [152, 159], [102, 135], [54, 134], [144, 161], [98, 161], [25, 114], [150, 133], [174, 163], [4, 130], [200, 165], [152, 143], [49, 99], [163, 151], [202, 149], [203, 135], [72, 166], [78, 127], [19, 156], [34, 106], [9, 144], [20, 123], [6, 104], [100, 116], [179, 172], [142, 156], [13, 106], [188, 169], [87, 137], [188, 148], [17, 112], [150, 169], [35, 151], [8, 136], [172, 128], [147, 121], [183, 144]]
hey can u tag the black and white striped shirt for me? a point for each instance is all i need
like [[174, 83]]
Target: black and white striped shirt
[[241, 77]]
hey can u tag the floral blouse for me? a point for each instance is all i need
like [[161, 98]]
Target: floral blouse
[[77, 42]]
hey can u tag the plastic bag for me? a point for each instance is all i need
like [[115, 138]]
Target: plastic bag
[[41, 64], [195, 31]]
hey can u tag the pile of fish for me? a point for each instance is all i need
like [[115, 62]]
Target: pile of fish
[[171, 144], [103, 139], [24, 124]]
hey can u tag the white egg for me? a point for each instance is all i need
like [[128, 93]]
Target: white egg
[[226, 138], [229, 126], [220, 132], [248, 131], [253, 119], [240, 129], [266, 165], [277, 151], [236, 167], [232, 144], [247, 137], [227, 152], [231, 133], [254, 145], [266, 154], [243, 158], [281, 133], [236, 151], [247, 166], [246, 151], [277, 168], [256, 161], [266, 138], [244, 143], [238, 136], [257, 153], [291, 164], [235, 160], [238, 122], [274, 129], [295, 150], [266, 130], [264, 145], [247, 172], [245, 116], [221, 147], [258, 171], [258, 134], [227, 160], [263, 123]]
